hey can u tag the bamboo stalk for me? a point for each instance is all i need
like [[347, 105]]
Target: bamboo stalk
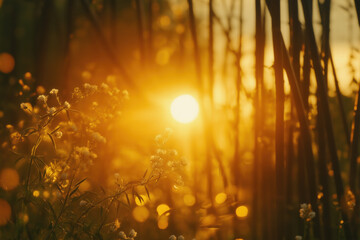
[[140, 28], [304, 125], [236, 158], [340, 100], [279, 120], [259, 66], [207, 126], [327, 116], [355, 132]]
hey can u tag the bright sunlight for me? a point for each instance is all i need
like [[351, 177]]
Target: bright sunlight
[[185, 108]]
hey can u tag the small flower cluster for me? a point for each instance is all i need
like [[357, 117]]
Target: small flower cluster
[[306, 212], [173, 237], [167, 160], [132, 234]]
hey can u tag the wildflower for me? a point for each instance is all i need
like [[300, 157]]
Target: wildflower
[[58, 134], [122, 235], [132, 233], [52, 110], [90, 88], [125, 94], [83, 203], [306, 212], [104, 86], [26, 106], [23, 106], [54, 91], [42, 99], [98, 138], [172, 237], [67, 105]]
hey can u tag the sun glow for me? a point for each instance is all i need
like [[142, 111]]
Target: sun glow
[[185, 108]]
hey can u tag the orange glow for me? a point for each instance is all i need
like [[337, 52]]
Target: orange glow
[[242, 211], [7, 63], [5, 212], [220, 198], [9, 179], [162, 208], [189, 200], [140, 214], [163, 222]]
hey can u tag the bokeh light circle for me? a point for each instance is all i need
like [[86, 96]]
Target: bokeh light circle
[[9, 179]]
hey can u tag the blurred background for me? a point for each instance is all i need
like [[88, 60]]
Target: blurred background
[[221, 53]]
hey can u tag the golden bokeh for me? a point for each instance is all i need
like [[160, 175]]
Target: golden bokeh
[[189, 200], [9, 179], [163, 222], [220, 198], [162, 208], [242, 211], [7, 63], [140, 214]]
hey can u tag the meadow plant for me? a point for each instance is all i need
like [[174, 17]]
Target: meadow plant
[[55, 152]]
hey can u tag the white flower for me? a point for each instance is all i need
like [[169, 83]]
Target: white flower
[[172, 237], [298, 237], [42, 99], [122, 235], [58, 134], [23, 106], [51, 110], [125, 94], [306, 212], [54, 91], [181, 237], [132, 233], [67, 105], [311, 215], [98, 138]]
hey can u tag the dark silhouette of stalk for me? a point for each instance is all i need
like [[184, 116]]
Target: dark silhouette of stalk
[[236, 159], [279, 121], [327, 116], [326, 56], [294, 51], [357, 6], [355, 132], [91, 15], [340, 100], [207, 126], [323, 175], [140, 28], [150, 31], [322, 153], [113, 24], [259, 75], [304, 125]]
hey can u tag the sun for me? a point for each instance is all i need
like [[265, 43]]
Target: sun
[[185, 108]]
